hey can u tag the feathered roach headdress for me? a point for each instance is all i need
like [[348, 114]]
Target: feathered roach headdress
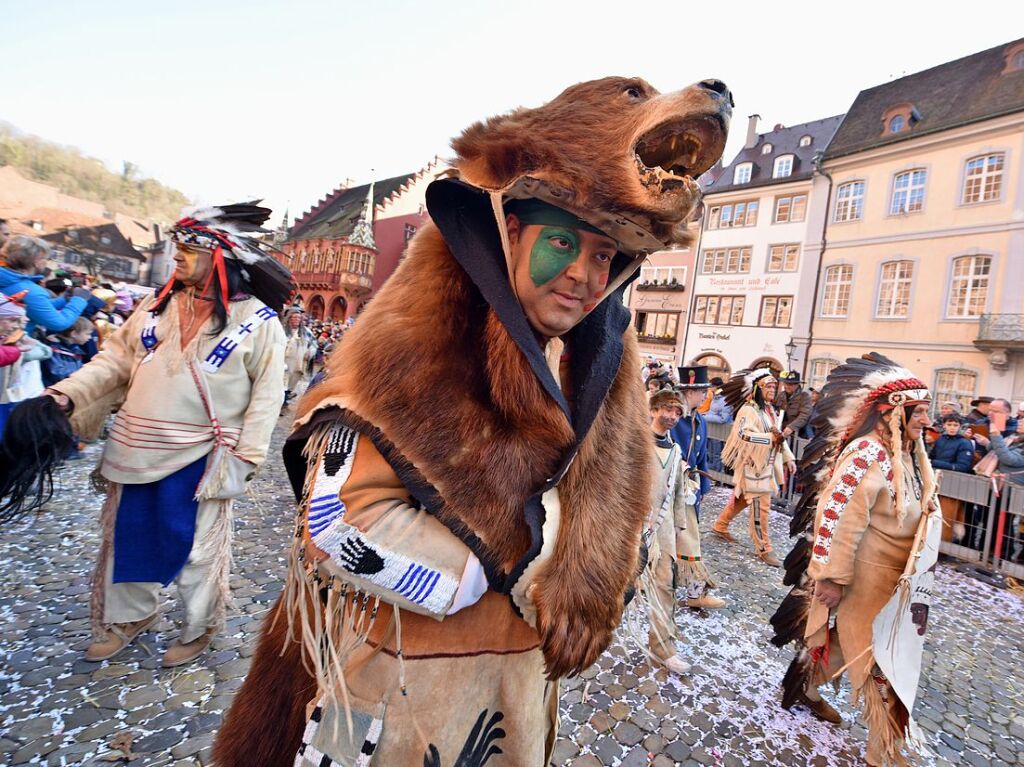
[[853, 390], [226, 230], [743, 385]]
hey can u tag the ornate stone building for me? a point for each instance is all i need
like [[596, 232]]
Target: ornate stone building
[[344, 249]]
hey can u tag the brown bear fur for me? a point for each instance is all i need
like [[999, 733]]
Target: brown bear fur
[[431, 366]]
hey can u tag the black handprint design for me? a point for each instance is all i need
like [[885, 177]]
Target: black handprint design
[[358, 558], [479, 747]]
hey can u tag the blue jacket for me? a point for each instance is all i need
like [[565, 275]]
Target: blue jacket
[[719, 411], [54, 314], [691, 434], [952, 453]]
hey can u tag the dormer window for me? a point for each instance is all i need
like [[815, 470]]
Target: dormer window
[[783, 166], [766, 149], [805, 141], [899, 118], [1014, 59], [742, 173]]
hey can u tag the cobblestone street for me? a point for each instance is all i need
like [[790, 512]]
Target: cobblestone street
[[58, 709]]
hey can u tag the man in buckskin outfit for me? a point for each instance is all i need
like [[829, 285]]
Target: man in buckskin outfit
[[468, 521]]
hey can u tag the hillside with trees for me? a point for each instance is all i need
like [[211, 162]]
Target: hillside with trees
[[88, 178]]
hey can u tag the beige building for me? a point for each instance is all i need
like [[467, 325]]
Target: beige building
[[924, 248]]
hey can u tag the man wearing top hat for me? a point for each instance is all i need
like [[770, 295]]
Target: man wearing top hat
[[691, 434], [794, 403]]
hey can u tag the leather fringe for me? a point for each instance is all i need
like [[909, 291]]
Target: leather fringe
[[98, 585], [886, 719]]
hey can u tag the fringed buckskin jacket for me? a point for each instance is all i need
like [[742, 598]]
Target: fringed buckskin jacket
[[446, 441]]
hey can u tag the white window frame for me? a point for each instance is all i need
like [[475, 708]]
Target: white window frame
[[719, 310], [653, 274], [837, 306], [783, 166], [776, 302], [789, 257], [849, 202], [790, 200], [742, 173], [957, 392], [977, 281], [895, 290], [985, 179], [805, 140], [819, 368], [908, 197], [766, 149]]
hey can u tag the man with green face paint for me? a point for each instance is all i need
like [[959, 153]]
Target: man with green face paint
[[559, 264]]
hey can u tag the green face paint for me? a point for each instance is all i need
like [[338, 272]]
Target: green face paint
[[554, 249]]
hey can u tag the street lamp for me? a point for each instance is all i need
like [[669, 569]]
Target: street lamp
[[790, 347]]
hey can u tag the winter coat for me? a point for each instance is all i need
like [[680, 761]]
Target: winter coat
[[952, 453], [797, 407], [67, 358], [1011, 457], [9, 354], [54, 314], [719, 412]]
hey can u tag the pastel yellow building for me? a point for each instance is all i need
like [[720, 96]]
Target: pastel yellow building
[[923, 258]]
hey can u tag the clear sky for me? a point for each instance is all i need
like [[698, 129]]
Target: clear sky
[[233, 100]]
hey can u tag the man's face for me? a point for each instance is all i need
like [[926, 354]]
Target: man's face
[[984, 407], [789, 388], [294, 320], [944, 411], [769, 387], [917, 422], [694, 397], [665, 417], [192, 265], [5, 234], [952, 427], [559, 273]]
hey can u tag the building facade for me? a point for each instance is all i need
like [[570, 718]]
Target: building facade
[[343, 250], [762, 228], [101, 251], [924, 255], [659, 300]]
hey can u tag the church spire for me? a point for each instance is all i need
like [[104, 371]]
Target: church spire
[[362, 233]]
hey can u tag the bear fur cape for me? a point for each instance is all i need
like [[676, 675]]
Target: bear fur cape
[[444, 375]]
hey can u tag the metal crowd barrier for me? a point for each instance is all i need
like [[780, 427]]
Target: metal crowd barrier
[[992, 516]]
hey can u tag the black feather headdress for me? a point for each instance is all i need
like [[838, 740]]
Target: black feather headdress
[[228, 231]]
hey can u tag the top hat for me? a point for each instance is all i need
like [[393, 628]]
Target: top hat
[[982, 401], [694, 377], [790, 377]]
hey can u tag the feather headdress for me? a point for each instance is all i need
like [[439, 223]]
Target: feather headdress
[[741, 387], [852, 391], [227, 231]]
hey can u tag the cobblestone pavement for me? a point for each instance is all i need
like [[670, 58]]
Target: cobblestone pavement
[[57, 709]]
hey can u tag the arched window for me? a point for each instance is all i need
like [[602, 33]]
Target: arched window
[[766, 149], [835, 298], [968, 286], [895, 281], [716, 364], [956, 385], [783, 166], [983, 177], [850, 202], [805, 141], [908, 192], [896, 124], [820, 368]]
